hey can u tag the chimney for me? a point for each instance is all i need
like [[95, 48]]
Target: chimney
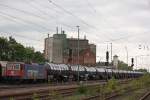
[[48, 35]]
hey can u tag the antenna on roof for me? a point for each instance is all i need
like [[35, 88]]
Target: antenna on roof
[[84, 37], [61, 30], [56, 30]]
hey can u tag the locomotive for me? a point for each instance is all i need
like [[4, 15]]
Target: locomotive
[[22, 72]]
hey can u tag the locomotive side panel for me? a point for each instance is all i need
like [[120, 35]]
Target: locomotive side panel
[[13, 70], [34, 72]]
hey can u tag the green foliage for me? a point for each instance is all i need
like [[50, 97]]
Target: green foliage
[[123, 66], [11, 98], [145, 80], [112, 85], [142, 70], [35, 96], [55, 95], [142, 82], [4, 48], [82, 89], [14, 51]]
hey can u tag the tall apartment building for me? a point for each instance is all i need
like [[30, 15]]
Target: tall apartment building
[[60, 49]]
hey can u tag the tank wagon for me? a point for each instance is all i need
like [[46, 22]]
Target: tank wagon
[[21, 72]]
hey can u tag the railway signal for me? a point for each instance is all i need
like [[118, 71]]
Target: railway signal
[[107, 58], [132, 62]]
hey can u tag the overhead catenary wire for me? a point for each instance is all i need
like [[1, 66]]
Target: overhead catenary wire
[[81, 20], [69, 26], [20, 36], [91, 6], [28, 14], [48, 15], [32, 14], [45, 13], [30, 44], [13, 20], [70, 13], [121, 38], [23, 11], [26, 21]]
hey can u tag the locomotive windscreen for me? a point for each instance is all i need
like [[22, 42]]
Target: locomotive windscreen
[[13, 66]]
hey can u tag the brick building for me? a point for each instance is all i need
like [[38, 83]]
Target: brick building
[[60, 49]]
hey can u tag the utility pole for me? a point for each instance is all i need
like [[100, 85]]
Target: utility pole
[[136, 60], [111, 52], [78, 27], [127, 54]]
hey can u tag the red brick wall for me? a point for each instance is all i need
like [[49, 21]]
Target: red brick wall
[[87, 57]]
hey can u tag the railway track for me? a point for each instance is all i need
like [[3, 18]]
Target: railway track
[[109, 96], [41, 93], [3, 87], [46, 93], [146, 96]]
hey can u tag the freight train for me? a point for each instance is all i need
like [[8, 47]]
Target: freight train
[[21, 72]]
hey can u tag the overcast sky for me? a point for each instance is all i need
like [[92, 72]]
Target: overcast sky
[[125, 23]]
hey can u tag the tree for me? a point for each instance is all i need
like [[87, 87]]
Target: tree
[[11, 50], [38, 57], [4, 49], [142, 70], [123, 66], [17, 50], [29, 54]]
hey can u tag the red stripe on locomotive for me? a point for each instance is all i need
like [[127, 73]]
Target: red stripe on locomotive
[[14, 69]]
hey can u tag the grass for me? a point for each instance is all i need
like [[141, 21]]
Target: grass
[[112, 86], [132, 95], [35, 96]]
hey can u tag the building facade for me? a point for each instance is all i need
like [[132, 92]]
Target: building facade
[[60, 49]]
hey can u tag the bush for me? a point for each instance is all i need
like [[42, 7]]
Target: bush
[[112, 85], [145, 80], [35, 96], [82, 89], [142, 82], [55, 95], [11, 98]]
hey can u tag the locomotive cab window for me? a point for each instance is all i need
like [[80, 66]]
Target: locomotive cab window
[[9, 67], [17, 67]]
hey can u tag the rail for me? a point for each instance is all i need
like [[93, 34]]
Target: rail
[[47, 92], [145, 96]]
